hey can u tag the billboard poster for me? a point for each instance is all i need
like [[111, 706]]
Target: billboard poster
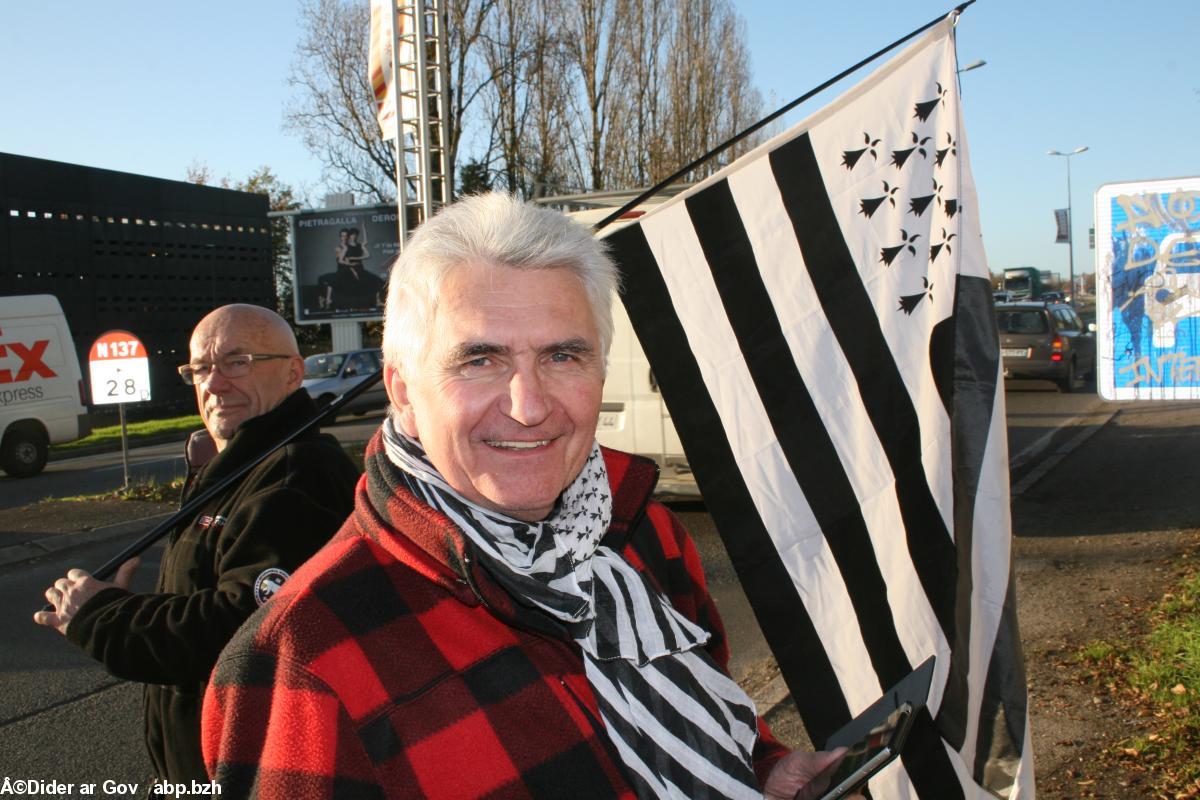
[[1148, 289], [340, 262]]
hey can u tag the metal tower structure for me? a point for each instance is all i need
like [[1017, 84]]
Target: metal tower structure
[[421, 71]]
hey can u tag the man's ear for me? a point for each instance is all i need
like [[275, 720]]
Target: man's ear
[[295, 373], [397, 391]]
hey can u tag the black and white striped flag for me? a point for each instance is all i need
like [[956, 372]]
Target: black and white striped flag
[[819, 318]]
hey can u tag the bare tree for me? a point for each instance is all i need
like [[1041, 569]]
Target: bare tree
[[593, 41], [634, 140], [569, 95], [334, 106], [708, 93], [465, 21], [547, 159]]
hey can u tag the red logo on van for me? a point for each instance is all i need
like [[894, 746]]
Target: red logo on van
[[31, 361]]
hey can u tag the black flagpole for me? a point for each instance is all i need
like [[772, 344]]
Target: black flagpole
[[767, 120], [190, 507]]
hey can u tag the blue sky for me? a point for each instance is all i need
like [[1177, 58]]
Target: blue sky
[[153, 87]]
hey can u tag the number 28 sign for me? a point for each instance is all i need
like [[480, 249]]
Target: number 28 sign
[[119, 369]]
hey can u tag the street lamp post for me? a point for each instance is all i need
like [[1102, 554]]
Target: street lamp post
[[1070, 219]]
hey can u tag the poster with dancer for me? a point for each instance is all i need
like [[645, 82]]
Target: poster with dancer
[[340, 262]]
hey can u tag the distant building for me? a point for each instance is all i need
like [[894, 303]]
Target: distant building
[[146, 255]]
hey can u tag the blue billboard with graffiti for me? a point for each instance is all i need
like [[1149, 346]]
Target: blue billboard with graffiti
[[1148, 290]]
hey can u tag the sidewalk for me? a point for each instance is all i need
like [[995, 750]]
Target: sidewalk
[[43, 529]]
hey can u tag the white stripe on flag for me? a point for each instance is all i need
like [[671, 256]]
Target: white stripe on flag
[[777, 496], [835, 393]]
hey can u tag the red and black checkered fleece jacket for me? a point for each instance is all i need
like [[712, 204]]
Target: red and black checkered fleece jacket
[[390, 665]]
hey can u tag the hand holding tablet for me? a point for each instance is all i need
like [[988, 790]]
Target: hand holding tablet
[[875, 737]]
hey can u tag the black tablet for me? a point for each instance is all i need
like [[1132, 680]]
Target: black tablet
[[877, 735]]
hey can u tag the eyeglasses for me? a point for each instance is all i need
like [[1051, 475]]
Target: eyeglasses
[[231, 366]]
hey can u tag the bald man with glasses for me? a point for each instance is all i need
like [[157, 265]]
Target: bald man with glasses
[[234, 553]]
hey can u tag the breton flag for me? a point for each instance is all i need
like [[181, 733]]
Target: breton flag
[[380, 66], [819, 318]]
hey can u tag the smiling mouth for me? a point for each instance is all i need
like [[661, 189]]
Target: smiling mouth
[[512, 445]]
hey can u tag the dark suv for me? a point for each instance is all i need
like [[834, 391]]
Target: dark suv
[[1046, 341]]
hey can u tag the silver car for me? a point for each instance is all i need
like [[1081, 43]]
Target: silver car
[[329, 375]]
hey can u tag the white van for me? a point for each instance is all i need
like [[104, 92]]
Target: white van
[[41, 389], [633, 416]]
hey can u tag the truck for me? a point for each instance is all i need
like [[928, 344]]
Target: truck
[[42, 397], [1023, 283]]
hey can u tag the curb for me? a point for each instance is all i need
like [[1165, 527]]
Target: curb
[[773, 695], [1058, 455], [49, 545]]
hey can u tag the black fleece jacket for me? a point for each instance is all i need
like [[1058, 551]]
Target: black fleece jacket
[[218, 567]]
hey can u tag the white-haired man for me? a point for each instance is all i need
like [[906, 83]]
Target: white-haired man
[[506, 613], [231, 555]]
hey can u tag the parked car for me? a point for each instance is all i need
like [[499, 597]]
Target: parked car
[[1045, 341], [328, 376]]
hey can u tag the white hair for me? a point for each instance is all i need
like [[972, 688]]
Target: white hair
[[496, 229]]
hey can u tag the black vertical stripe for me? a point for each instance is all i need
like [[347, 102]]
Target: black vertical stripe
[[851, 316], [810, 453], [976, 367], [973, 396], [781, 614], [796, 422]]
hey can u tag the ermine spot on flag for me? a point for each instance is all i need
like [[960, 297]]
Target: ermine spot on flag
[[819, 318]]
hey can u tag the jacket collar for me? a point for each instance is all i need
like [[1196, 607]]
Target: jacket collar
[[257, 434]]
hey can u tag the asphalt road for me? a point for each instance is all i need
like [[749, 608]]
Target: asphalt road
[[104, 472], [62, 717]]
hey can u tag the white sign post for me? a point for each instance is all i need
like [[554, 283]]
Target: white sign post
[[120, 373]]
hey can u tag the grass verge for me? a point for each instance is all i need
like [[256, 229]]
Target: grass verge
[[1158, 678], [150, 491], [137, 432]]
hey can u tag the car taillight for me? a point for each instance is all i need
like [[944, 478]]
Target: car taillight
[[83, 400], [1056, 349]]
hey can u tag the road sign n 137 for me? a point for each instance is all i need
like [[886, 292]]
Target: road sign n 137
[[119, 369]]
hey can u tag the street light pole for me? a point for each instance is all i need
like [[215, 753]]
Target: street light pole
[[1070, 219]]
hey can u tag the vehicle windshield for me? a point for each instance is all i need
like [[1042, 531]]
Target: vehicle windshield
[[325, 365], [1032, 321], [1017, 283]]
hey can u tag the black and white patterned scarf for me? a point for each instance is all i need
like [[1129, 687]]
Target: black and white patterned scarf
[[681, 726]]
